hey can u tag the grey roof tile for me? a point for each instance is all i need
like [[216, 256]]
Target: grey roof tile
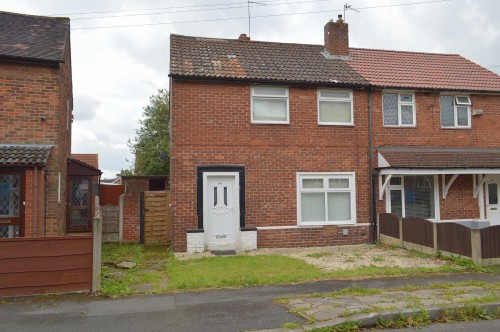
[[33, 37], [426, 157], [24, 154]]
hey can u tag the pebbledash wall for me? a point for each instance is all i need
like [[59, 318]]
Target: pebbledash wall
[[30, 91], [215, 129]]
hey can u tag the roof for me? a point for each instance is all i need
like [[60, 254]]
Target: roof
[[91, 159], [210, 58], [24, 154], [30, 37], [79, 168], [254, 60], [425, 157], [422, 70]]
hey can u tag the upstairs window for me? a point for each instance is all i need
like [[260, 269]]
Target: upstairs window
[[270, 104], [399, 109], [335, 107], [455, 111]]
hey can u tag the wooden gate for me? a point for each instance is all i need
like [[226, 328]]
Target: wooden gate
[[155, 217]]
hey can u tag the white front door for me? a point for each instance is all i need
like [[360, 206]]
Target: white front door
[[221, 210], [492, 206]]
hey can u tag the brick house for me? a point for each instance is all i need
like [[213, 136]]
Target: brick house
[[281, 145], [42, 191]]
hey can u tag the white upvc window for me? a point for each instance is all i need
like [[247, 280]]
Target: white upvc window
[[399, 109], [326, 198], [455, 111], [335, 107], [270, 104], [413, 196]]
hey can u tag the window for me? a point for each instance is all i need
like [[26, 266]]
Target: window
[[335, 107], [270, 104], [412, 196], [326, 198], [455, 111], [399, 109]]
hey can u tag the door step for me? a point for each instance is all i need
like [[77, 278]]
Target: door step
[[223, 252]]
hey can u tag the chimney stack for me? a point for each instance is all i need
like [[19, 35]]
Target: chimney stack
[[244, 37], [337, 38]]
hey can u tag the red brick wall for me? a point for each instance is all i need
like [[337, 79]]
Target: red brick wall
[[131, 208], [211, 126], [27, 93], [459, 204]]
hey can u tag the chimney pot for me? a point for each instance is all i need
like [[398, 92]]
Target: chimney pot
[[337, 38], [243, 36]]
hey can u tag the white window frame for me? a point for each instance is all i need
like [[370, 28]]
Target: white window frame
[[400, 103], [401, 187], [350, 99], [457, 104], [351, 176], [253, 95]]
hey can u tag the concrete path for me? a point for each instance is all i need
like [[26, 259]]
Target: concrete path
[[216, 310]]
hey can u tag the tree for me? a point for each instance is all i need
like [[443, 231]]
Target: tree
[[151, 145]]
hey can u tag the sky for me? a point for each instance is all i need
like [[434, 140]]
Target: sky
[[120, 49]]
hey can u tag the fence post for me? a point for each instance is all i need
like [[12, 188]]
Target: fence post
[[121, 201], [401, 232], [435, 237], [378, 228], [475, 241], [97, 243]]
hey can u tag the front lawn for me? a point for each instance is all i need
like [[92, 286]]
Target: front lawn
[[158, 270]]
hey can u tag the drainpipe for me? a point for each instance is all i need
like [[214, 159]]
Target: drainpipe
[[35, 202], [373, 206]]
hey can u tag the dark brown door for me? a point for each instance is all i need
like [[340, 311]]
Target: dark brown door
[[79, 203], [11, 203]]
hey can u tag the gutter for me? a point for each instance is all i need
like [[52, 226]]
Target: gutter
[[32, 61]]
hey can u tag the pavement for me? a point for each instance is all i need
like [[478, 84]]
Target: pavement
[[244, 309]]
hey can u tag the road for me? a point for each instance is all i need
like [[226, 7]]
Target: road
[[216, 310]]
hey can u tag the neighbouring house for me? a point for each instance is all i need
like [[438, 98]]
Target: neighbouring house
[[290, 145], [43, 191]]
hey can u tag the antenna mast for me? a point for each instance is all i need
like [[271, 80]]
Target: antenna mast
[[348, 7]]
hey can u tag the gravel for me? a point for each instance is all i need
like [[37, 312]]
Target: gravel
[[343, 257]]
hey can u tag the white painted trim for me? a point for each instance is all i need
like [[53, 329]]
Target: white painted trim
[[446, 186], [382, 188], [319, 99], [481, 183], [480, 198], [270, 96], [432, 171], [264, 228], [351, 189], [455, 112], [381, 161]]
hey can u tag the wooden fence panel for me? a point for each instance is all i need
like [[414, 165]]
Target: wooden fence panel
[[45, 265], [157, 223], [418, 231], [490, 242], [454, 238], [389, 225]]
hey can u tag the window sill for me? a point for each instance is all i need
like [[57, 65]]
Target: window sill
[[316, 224], [269, 123], [459, 128], [336, 124], [401, 127]]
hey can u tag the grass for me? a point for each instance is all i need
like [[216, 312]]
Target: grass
[[419, 319], [159, 271]]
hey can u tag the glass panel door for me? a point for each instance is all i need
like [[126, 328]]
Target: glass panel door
[[11, 208], [79, 204]]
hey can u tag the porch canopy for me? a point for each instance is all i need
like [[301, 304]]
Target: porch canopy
[[12, 155], [481, 163]]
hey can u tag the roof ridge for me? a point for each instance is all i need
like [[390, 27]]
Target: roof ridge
[[245, 41], [39, 16], [400, 51]]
